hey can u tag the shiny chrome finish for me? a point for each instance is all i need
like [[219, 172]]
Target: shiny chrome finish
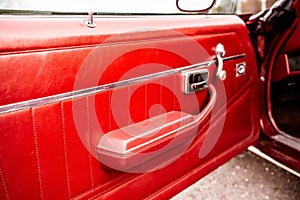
[[240, 69], [97, 89], [288, 140], [200, 85], [220, 53], [268, 158], [195, 80], [90, 21]]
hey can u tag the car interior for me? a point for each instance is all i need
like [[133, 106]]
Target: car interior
[[285, 83], [278, 56], [103, 106]]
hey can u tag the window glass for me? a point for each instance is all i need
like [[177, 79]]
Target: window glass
[[241, 6]]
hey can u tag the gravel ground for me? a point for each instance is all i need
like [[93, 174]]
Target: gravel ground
[[246, 176]]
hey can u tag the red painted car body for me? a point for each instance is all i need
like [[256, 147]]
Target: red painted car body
[[68, 92]]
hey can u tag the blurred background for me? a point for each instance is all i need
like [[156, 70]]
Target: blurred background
[[241, 6], [246, 176]]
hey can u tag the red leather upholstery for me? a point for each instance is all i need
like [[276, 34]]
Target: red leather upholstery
[[41, 154]]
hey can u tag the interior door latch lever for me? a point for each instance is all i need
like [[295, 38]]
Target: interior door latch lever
[[220, 53], [200, 85], [195, 80]]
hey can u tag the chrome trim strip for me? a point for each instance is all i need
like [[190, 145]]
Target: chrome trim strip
[[290, 141], [89, 91], [228, 58], [268, 158]]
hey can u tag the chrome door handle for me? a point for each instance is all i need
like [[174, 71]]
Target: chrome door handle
[[195, 81], [220, 52]]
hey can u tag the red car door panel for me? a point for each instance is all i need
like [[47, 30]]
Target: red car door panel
[[104, 113]]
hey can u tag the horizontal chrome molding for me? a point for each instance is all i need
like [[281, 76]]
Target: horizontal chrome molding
[[275, 162], [90, 91]]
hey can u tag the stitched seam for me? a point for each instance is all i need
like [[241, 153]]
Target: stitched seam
[[129, 100], [37, 153], [89, 141], [4, 183], [109, 110], [65, 148], [160, 98], [146, 100], [174, 89]]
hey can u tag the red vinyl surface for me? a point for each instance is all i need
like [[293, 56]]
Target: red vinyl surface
[[43, 153]]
